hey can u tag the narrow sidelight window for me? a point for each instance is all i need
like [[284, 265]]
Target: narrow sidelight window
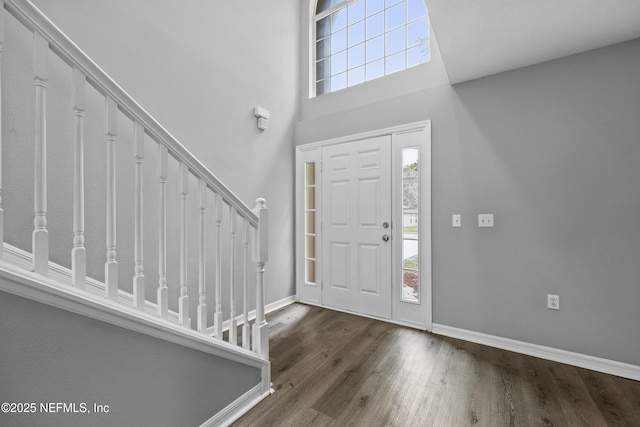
[[410, 225], [310, 223]]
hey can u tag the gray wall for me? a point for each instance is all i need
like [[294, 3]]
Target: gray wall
[[552, 150], [50, 355], [199, 67]]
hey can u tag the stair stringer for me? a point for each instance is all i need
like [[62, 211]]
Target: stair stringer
[[56, 290]]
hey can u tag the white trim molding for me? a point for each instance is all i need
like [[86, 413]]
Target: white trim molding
[[403, 128], [269, 308], [277, 305], [620, 369], [237, 408]]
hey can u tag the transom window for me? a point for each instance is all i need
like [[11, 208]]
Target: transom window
[[360, 40]]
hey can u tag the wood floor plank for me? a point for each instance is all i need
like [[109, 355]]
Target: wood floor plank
[[450, 404], [384, 400], [311, 418], [318, 364], [606, 393], [337, 369], [491, 388], [631, 391], [540, 407], [408, 390], [347, 385], [576, 402]]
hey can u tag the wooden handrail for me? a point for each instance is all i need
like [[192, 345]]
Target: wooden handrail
[[31, 17]]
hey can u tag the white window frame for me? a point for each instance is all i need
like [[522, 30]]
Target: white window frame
[[314, 18]]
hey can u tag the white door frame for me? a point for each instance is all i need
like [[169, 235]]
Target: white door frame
[[405, 313]]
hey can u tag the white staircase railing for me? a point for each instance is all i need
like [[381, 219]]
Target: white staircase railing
[[248, 228]]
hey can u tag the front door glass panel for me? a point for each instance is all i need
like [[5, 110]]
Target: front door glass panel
[[410, 224]]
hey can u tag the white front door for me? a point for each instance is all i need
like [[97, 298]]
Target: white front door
[[356, 218]]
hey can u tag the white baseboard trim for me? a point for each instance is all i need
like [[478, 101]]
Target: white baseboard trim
[[277, 305], [271, 307], [620, 369], [237, 408]]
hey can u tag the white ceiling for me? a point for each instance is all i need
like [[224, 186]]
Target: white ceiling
[[478, 38]]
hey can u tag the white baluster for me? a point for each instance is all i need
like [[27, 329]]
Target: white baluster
[[78, 253], [183, 302], [202, 305], [111, 266], [1, 46], [260, 257], [246, 336], [233, 324], [138, 278], [40, 242], [217, 317], [163, 291]]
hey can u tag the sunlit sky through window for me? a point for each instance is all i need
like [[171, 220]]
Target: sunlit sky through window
[[361, 40]]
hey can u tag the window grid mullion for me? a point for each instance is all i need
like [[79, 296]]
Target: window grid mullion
[[384, 37], [348, 67]]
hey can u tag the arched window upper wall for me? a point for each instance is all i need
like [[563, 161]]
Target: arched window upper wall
[[360, 40]]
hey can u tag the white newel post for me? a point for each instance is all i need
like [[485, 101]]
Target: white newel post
[[202, 302], [40, 243], [1, 45], [183, 301], [260, 257], [111, 266], [163, 291], [78, 253], [138, 278]]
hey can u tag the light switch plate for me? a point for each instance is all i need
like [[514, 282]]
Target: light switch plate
[[263, 124], [456, 220]]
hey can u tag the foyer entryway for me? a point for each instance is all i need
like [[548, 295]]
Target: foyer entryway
[[363, 224]]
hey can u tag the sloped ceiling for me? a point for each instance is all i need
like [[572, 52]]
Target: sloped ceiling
[[478, 38]]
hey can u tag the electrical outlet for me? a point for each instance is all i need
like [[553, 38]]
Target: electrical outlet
[[485, 220], [553, 302]]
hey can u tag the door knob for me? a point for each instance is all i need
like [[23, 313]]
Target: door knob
[[385, 238]]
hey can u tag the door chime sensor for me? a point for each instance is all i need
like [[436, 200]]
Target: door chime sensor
[[263, 117]]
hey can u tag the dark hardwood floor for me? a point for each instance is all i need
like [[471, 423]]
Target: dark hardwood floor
[[336, 369]]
